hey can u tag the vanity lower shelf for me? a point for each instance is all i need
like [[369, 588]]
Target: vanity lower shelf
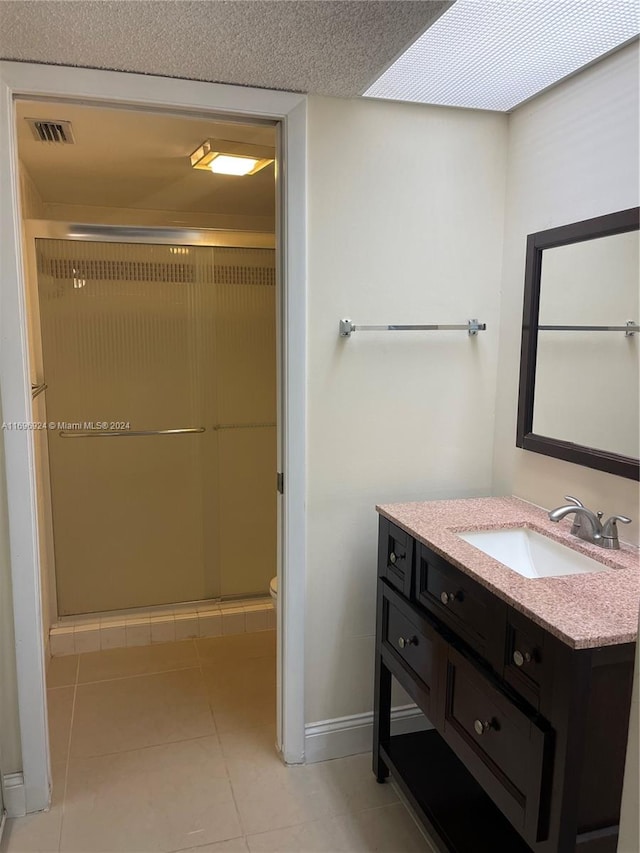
[[457, 813]]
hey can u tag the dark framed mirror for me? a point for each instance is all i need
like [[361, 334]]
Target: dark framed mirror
[[580, 355]]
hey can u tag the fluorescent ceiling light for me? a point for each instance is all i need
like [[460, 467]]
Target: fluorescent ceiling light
[[231, 158], [495, 54], [232, 164]]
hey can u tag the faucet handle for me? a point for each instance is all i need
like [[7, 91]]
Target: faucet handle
[[575, 527], [573, 500], [610, 530], [611, 522]]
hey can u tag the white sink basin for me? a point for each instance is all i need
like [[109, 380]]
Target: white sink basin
[[531, 554]]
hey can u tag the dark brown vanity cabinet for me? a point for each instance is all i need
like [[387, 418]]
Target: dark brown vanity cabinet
[[528, 736]]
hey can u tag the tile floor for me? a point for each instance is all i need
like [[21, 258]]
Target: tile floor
[[171, 748]]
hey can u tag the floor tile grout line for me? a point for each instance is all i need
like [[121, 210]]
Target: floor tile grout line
[[68, 759], [222, 754], [140, 748], [208, 844], [136, 675]]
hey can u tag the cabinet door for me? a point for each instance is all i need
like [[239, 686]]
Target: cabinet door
[[410, 650], [501, 746]]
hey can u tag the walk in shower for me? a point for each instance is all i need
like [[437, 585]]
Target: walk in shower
[[160, 365]]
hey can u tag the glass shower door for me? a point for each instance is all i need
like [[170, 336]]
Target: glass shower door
[[148, 379]]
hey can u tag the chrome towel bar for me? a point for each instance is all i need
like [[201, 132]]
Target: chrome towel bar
[[347, 327], [116, 433], [629, 329]]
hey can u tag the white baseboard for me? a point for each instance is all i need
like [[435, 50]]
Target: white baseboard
[[354, 734], [15, 796]]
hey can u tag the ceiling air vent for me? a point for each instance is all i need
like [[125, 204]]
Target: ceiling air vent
[[59, 132]]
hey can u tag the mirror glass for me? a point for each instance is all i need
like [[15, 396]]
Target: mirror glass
[[579, 362], [587, 380]]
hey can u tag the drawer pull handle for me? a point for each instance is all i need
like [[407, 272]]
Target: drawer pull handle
[[481, 727], [448, 597], [407, 641], [393, 557], [520, 658]]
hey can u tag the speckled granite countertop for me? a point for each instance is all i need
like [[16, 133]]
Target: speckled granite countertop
[[584, 611]]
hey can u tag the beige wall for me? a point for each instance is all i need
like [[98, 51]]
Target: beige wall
[[405, 225], [573, 154]]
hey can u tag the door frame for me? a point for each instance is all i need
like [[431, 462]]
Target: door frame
[[185, 97]]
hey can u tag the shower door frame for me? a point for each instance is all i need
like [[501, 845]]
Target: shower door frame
[[189, 99], [46, 229]]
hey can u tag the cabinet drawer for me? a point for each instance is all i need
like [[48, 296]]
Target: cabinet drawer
[[502, 746], [410, 649], [475, 614], [396, 556], [528, 666]]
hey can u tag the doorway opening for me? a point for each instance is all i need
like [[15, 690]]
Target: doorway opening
[[19, 81], [153, 298]]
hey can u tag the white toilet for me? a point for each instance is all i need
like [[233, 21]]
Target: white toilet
[[273, 590]]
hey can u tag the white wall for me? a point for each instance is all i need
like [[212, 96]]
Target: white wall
[[405, 226], [573, 154]]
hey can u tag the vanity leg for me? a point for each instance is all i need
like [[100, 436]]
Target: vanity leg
[[381, 717], [382, 699]]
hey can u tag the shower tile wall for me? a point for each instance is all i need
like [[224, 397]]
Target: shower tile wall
[[161, 625]]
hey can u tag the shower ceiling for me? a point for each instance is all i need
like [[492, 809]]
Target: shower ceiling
[[140, 160]]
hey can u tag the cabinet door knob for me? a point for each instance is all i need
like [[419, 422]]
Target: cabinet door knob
[[520, 658], [448, 597], [393, 558], [407, 641], [481, 727]]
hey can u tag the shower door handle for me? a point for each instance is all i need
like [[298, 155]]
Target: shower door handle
[[129, 433]]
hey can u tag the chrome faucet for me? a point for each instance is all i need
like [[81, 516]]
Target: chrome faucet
[[588, 525]]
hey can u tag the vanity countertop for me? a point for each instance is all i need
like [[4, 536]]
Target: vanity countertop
[[584, 611]]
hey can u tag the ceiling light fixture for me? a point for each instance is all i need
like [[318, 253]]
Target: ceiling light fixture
[[495, 54], [231, 158], [233, 164]]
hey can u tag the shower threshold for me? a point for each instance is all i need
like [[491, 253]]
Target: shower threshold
[[162, 624]]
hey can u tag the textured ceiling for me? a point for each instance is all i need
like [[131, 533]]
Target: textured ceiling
[[324, 47], [139, 160]]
